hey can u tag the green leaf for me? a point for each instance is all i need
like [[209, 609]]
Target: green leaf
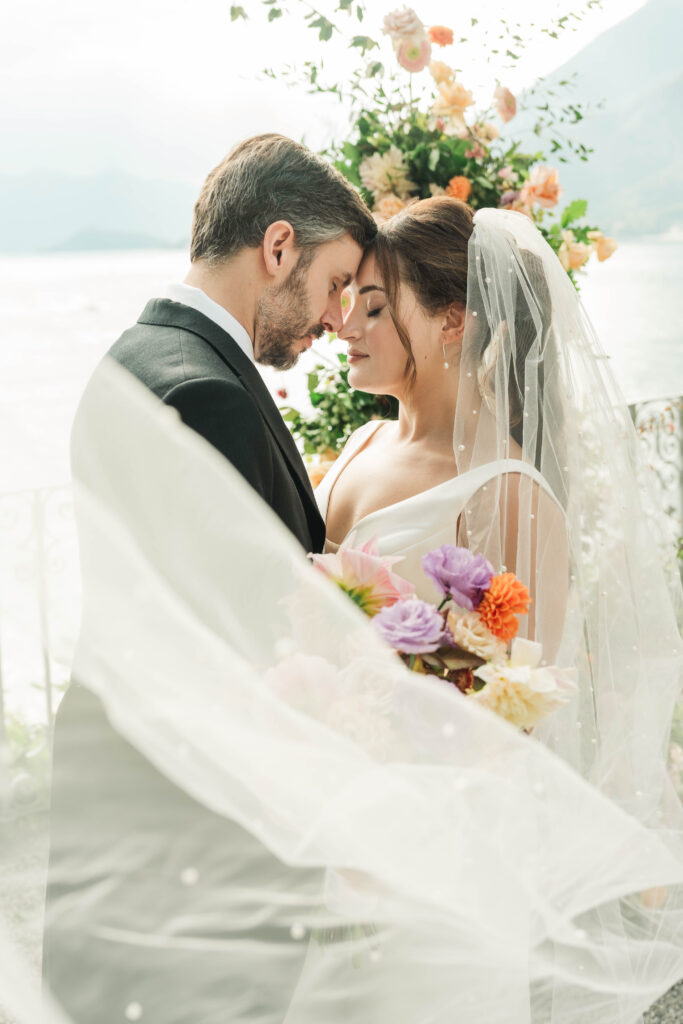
[[237, 12], [324, 25], [274, 12], [574, 211], [364, 43]]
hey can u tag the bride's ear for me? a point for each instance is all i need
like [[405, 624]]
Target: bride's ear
[[453, 324]]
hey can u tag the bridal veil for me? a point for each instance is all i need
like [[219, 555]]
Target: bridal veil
[[397, 853]]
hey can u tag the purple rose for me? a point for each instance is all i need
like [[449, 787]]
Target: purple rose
[[459, 574], [412, 626]]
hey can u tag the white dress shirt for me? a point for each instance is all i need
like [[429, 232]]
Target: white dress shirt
[[199, 300]]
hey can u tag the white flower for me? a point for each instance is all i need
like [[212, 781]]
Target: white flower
[[436, 190], [402, 23], [520, 690], [469, 632], [387, 172]]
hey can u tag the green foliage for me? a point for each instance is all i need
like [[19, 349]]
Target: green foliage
[[338, 409]]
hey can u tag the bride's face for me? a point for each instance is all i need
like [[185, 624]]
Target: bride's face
[[378, 362]]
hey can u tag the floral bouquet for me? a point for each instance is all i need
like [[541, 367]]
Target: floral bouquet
[[469, 640]]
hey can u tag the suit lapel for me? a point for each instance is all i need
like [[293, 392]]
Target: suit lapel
[[165, 312]]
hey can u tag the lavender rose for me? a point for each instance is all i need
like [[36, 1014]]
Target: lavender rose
[[459, 574], [412, 627]]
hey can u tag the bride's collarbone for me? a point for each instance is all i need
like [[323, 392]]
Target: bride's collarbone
[[375, 479]]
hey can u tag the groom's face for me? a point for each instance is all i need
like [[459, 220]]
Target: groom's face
[[290, 316]]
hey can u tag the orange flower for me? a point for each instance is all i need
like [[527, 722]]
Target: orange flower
[[440, 35], [505, 599], [459, 187]]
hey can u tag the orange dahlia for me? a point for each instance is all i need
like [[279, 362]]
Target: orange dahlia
[[505, 599], [459, 187], [440, 35]]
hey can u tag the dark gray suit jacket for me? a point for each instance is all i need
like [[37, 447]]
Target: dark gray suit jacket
[[193, 365]]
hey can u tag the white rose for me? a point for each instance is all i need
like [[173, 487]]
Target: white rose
[[469, 632], [384, 173], [401, 23]]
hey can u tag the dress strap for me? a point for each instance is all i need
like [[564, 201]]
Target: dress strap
[[473, 479]]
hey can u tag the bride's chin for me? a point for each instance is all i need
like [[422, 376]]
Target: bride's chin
[[359, 381]]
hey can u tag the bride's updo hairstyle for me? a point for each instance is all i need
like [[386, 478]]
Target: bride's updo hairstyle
[[425, 247]]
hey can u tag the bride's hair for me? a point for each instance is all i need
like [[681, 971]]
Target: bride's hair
[[426, 248]]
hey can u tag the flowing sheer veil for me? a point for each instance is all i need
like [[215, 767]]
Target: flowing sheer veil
[[535, 384], [374, 846]]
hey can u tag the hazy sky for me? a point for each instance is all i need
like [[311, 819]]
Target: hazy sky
[[162, 88]]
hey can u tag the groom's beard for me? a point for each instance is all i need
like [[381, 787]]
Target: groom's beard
[[280, 323]]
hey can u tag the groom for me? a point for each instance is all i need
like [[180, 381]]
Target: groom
[[277, 235]]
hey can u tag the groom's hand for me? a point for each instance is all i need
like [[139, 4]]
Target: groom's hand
[[226, 416]]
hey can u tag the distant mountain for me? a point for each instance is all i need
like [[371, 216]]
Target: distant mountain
[[44, 210], [633, 178]]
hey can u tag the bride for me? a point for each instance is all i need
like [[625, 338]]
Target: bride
[[379, 848], [463, 358]]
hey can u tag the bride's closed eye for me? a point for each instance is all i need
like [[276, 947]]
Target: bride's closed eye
[[375, 312]]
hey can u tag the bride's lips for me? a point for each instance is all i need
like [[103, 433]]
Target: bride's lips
[[355, 356]]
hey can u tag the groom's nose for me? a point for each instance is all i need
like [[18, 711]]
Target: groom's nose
[[332, 318]]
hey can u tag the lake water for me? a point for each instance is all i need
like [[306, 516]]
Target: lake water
[[60, 313]]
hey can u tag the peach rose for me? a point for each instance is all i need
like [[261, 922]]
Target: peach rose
[[453, 97], [543, 188], [459, 187], [506, 104], [604, 247], [387, 207], [573, 254], [441, 73], [440, 35], [486, 132]]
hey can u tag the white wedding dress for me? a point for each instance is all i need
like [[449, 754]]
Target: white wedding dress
[[419, 524]]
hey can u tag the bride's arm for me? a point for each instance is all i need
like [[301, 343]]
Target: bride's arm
[[520, 528]]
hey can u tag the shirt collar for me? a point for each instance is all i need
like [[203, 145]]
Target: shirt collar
[[199, 300]]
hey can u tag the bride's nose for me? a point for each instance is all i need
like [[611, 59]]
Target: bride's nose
[[350, 328]]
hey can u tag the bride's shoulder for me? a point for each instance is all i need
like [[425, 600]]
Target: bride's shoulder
[[362, 434]]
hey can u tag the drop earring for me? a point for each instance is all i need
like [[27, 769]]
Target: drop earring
[[445, 358]]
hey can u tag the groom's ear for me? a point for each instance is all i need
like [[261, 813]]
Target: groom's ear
[[279, 250], [453, 324]]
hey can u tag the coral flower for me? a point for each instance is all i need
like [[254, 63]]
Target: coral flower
[[440, 35], [459, 187], [505, 599], [414, 54]]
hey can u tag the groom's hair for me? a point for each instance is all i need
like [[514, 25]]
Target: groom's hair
[[268, 178]]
